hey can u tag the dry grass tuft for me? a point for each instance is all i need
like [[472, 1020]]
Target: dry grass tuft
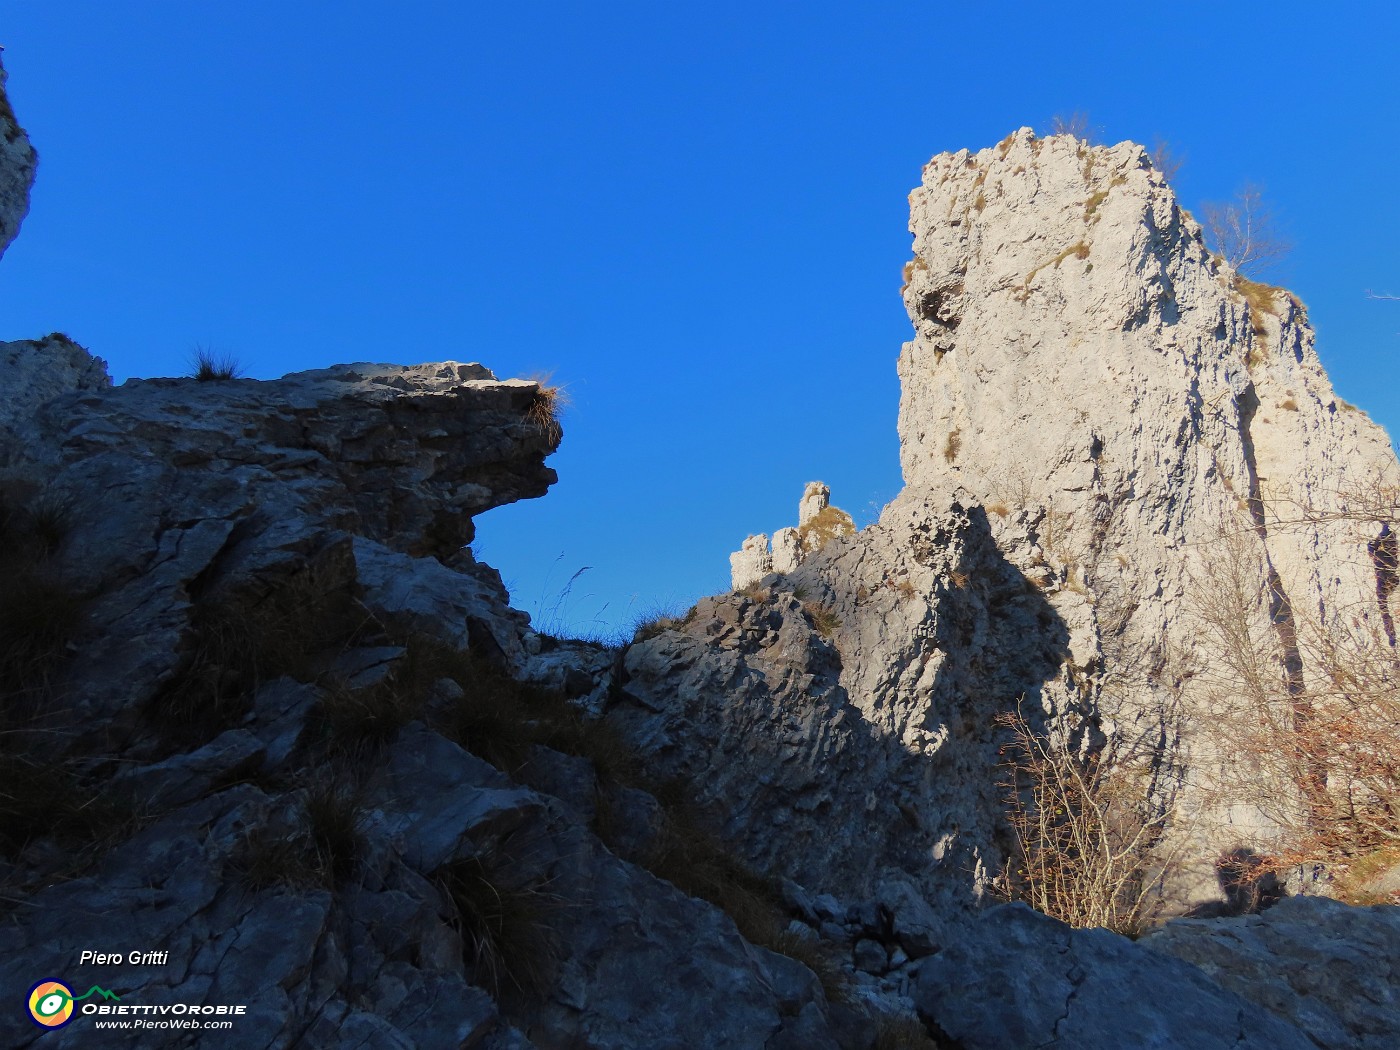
[[507, 923], [903, 1033], [952, 445], [823, 617], [210, 366], [828, 524], [334, 820], [658, 621], [546, 407], [240, 641], [500, 719], [686, 855], [41, 611]]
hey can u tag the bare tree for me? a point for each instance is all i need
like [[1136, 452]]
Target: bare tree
[[1165, 161], [1245, 232]]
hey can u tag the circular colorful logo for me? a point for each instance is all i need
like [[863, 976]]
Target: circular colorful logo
[[51, 1004]]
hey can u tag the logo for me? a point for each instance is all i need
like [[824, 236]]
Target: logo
[[51, 1002]]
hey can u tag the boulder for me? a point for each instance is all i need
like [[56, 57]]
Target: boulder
[[1015, 979], [1330, 969]]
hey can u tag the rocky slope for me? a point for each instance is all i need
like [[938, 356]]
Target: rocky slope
[[266, 718], [282, 640]]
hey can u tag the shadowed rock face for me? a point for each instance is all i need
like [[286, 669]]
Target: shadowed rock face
[[185, 491], [1021, 980], [17, 163], [855, 703], [329, 506]]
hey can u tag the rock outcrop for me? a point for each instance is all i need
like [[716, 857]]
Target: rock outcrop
[[17, 163], [1082, 357], [818, 522], [859, 697], [1091, 990], [1144, 431]]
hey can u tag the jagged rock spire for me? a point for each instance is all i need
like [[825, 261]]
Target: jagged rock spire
[[17, 163]]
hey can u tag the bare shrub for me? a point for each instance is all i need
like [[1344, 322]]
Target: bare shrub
[[1165, 161], [1075, 123], [1087, 822]]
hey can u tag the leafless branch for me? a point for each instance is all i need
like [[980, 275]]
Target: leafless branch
[[1245, 232]]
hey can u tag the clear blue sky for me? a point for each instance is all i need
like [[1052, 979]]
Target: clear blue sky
[[693, 215]]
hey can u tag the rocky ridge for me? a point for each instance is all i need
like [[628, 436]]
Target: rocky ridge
[[266, 712], [818, 522]]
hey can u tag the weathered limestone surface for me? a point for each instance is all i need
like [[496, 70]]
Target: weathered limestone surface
[[857, 720], [36, 372], [349, 492], [751, 562], [1081, 356], [190, 491]]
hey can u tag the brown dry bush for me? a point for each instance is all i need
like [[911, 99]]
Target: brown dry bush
[[1311, 706], [546, 407]]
